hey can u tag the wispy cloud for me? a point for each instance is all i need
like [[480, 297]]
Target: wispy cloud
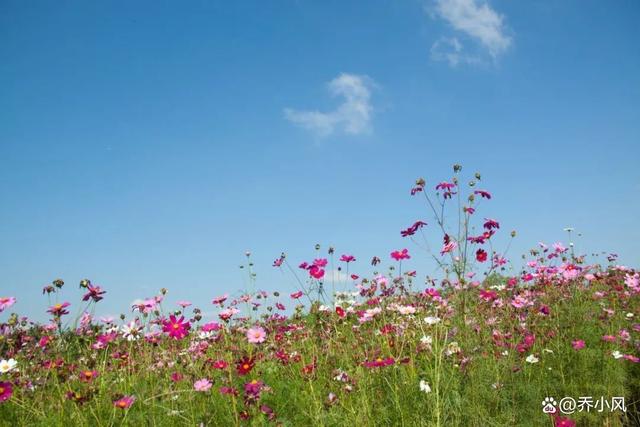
[[352, 116], [476, 20]]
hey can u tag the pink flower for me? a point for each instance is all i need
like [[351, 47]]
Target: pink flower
[[202, 385], [256, 335], [296, 295], [448, 247], [608, 338], [176, 328], [347, 258], [93, 292], [6, 302], [400, 255], [211, 327], [321, 262], [220, 300], [183, 304], [226, 314], [6, 390], [577, 344], [124, 402], [59, 309]]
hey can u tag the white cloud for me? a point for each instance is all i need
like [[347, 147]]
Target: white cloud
[[353, 116], [477, 20]]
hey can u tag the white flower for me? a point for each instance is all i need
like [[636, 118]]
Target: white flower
[[424, 386], [431, 320], [629, 315], [406, 309], [617, 355], [131, 330], [532, 359], [7, 365], [426, 339], [505, 353]]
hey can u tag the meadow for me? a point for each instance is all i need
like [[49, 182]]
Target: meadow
[[549, 339]]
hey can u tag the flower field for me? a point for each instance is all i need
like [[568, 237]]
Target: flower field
[[485, 342]]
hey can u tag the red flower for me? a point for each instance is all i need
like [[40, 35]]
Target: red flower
[[176, 328], [245, 365], [481, 255], [340, 312]]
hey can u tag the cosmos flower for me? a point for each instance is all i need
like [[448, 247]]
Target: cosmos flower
[[245, 365], [6, 302], [483, 194], [88, 375], [6, 390], [577, 344], [220, 300], [176, 328], [481, 255], [532, 359], [316, 272], [202, 385], [424, 386], [400, 255], [379, 362], [256, 335], [58, 310], [347, 258], [93, 292], [124, 402], [7, 365]]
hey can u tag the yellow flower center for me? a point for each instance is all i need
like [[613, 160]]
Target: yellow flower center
[[176, 326], [245, 366]]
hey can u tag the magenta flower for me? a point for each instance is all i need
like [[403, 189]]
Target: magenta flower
[[316, 272], [176, 328], [93, 292], [59, 309], [124, 402], [184, 304], [202, 385], [6, 390], [400, 255], [347, 258], [256, 335], [577, 344], [6, 302]]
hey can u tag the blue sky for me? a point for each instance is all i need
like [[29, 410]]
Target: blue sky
[[150, 144]]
